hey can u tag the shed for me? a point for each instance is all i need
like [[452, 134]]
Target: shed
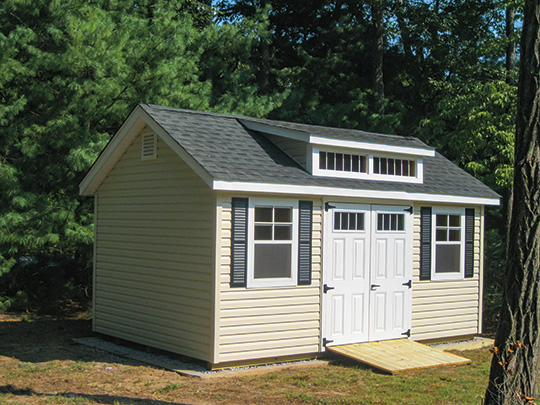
[[236, 240]]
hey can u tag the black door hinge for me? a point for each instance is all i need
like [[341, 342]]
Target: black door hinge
[[408, 284], [410, 210], [327, 288], [327, 206], [408, 333], [325, 341]]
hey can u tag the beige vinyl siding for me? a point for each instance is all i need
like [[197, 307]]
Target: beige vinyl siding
[[442, 309], [295, 149], [154, 254], [257, 323]]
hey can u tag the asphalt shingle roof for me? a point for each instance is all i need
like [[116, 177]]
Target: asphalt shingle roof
[[229, 151]]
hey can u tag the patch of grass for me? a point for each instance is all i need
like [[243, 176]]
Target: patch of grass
[[170, 387], [67, 400]]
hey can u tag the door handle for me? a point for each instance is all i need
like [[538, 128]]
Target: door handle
[[374, 286]]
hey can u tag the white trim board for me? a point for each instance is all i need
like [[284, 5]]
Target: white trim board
[[238, 186], [371, 146]]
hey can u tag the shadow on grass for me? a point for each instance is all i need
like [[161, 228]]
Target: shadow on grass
[[101, 399], [47, 339]]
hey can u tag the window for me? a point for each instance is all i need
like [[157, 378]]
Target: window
[[348, 221], [391, 222], [448, 245], [273, 247], [342, 162], [359, 164], [394, 167]]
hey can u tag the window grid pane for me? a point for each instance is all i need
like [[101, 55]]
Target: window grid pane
[[342, 162], [348, 221], [273, 223], [394, 167], [391, 222]]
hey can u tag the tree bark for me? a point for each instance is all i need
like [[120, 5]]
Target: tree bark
[[378, 63], [516, 360], [511, 45]]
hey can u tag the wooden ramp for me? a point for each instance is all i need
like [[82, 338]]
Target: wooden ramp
[[397, 356]]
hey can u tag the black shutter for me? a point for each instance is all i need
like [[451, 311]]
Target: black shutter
[[305, 220], [469, 242], [239, 242], [425, 243]]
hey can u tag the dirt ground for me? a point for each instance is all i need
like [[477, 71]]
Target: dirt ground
[[40, 363]]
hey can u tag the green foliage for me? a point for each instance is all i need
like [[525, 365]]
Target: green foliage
[[473, 125], [71, 72]]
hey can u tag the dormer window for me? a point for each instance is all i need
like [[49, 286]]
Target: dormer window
[[359, 164], [343, 162], [394, 167]]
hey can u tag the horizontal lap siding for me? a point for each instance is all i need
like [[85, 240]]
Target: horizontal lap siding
[[257, 323], [443, 309], [154, 255]]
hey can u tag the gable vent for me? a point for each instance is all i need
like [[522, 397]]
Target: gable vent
[[148, 147]]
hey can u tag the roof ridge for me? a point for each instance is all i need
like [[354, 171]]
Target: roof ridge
[[195, 112], [280, 124]]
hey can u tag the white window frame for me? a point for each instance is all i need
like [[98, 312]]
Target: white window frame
[[447, 276], [252, 282], [369, 175]]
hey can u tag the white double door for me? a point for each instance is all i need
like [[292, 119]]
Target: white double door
[[367, 273]]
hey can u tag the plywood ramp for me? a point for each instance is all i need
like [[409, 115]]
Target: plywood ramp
[[397, 356]]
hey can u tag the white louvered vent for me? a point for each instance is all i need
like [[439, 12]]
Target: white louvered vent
[[148, 146]]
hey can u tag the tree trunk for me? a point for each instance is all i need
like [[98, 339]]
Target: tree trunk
[[516, 360], [511, 45], [404, 29], [378, 75]]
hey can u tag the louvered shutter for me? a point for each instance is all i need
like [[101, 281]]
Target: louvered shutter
[[239, 242], [425, 243], [305, 220], [469, 242]]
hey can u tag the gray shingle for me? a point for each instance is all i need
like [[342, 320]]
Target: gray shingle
[[228, 151]]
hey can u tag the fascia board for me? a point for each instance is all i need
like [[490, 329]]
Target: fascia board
[[238, 186], [380, 147], [121, 142], [271, 130], [112, 152]]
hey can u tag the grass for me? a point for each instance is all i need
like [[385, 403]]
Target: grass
[[46, 367], [339, 383]]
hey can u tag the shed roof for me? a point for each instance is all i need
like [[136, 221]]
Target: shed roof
[[229, 151]]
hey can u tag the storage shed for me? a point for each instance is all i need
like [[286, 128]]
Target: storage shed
[[239, 240]]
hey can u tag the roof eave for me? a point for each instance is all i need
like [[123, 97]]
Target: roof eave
[[254, 187]]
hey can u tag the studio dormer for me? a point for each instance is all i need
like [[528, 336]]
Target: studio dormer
[[350, 154]]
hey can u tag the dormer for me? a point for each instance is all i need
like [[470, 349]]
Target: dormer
[[352, 154]]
